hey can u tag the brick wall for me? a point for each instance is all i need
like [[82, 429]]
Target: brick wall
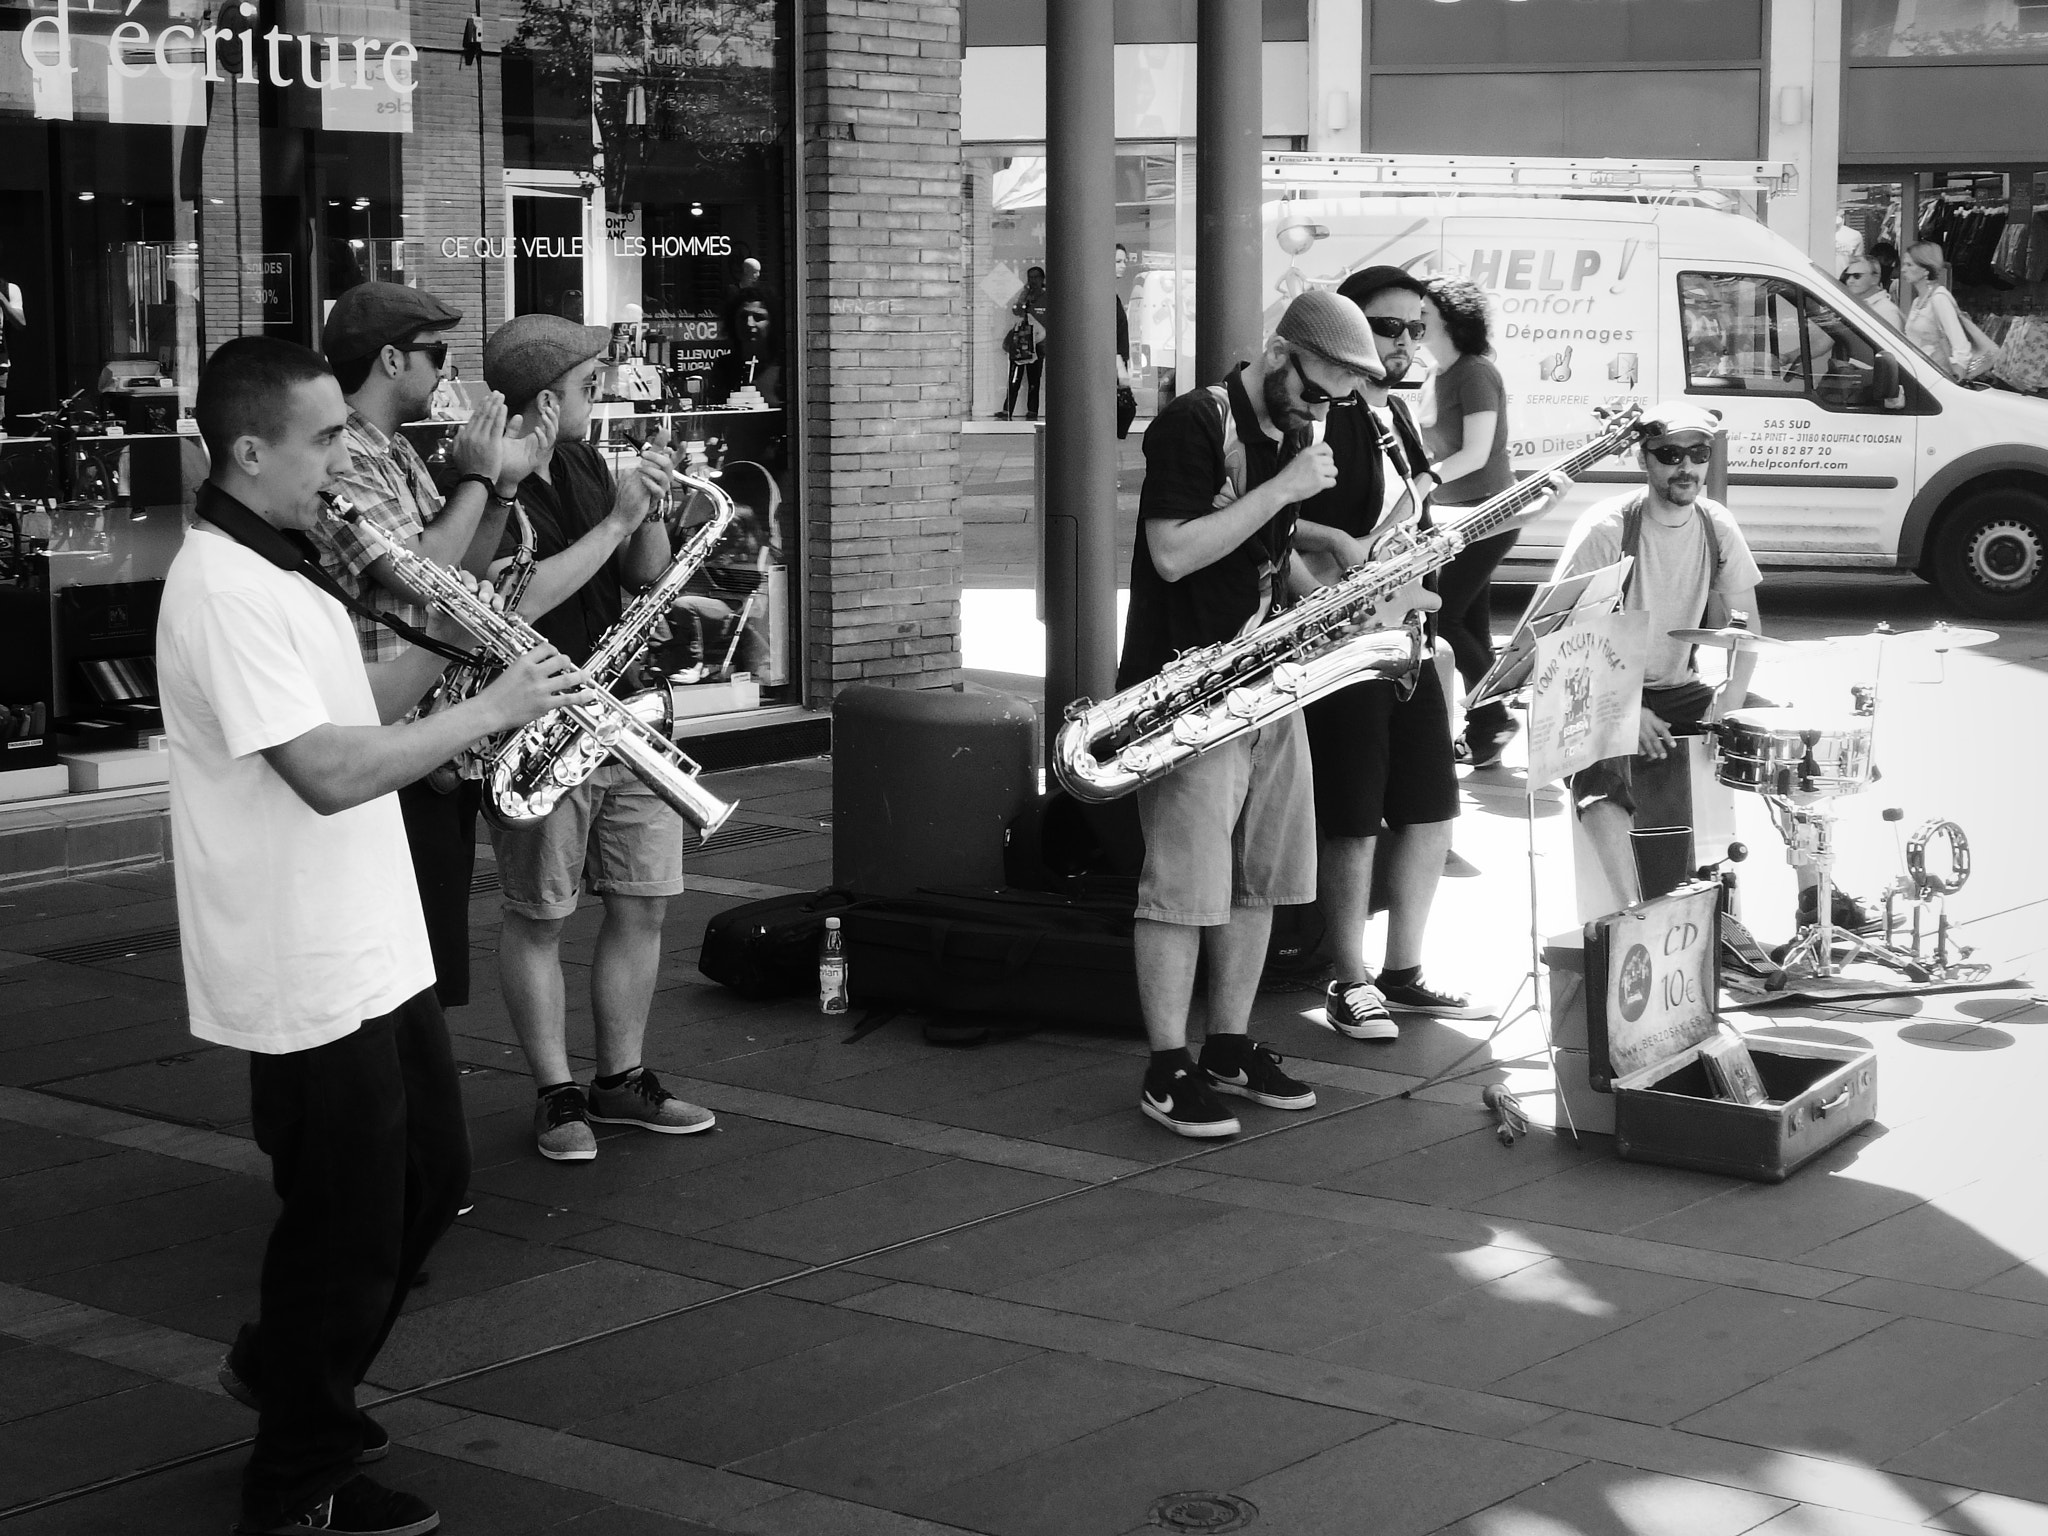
[[885, 328]]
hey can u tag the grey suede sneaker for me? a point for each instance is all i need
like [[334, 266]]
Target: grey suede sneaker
[[561, 1127], [641, 1100]]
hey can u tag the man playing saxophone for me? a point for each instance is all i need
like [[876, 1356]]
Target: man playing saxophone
[[387, 344], [1230, 834], [594, 538]]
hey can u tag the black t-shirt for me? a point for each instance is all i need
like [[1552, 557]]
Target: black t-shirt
[[578, 497], [1352, 505], [1202, 452]]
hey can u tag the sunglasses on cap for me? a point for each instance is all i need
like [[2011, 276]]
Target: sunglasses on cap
[[1313, 393], [1389, 327], [1678, 453]]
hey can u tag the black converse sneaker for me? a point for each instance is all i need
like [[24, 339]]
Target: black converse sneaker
[[358, 1507], [1418, 996], [1356, 1009], [1181, 1101], [1252, 1071]]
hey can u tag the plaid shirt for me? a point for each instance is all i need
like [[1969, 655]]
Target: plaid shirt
[[390, 486]]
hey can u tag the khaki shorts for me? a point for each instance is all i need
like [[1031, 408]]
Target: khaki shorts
[[1235, 827], [611, 830]]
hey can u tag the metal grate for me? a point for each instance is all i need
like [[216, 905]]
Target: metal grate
[[124, 947], [745, 834]]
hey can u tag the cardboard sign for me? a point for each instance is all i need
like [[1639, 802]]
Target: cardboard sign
[[1586, 693], [1653, 974]]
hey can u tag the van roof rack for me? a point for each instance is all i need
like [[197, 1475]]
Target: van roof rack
[[1528, 175]]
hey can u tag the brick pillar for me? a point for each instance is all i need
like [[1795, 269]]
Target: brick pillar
[[885, 341]]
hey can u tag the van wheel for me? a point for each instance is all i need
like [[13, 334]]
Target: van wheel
[[1991, 556]]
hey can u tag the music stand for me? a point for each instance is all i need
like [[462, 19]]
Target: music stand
[[1555, 605]]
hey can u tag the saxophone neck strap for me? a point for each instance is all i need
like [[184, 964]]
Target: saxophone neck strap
[[294, 552]]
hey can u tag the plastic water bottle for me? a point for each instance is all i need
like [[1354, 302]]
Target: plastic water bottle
[[832, 969]]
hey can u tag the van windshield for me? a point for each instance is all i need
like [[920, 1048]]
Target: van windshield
[[1769, 336]]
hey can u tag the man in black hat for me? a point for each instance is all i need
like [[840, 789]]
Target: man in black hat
[[388, 345], [1229, 835]]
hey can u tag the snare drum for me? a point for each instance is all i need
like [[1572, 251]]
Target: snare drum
[[1765, 751]]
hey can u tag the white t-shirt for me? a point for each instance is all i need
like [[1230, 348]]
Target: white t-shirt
[[1674, 572], [297, 926]]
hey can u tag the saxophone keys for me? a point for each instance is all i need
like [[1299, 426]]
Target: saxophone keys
[[1243, 703], [1290, 678]]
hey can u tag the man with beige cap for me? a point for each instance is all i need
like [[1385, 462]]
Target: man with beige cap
[[1231, 834], [594, 539]]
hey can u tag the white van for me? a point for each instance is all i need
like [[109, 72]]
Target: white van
[[1846, 448]]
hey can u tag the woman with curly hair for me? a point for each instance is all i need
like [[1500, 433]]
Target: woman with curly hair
[[1469, 441]]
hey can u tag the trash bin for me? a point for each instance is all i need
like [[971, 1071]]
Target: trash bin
[[924, 781]]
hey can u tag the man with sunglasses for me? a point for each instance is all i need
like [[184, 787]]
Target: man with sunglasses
[[387, 344], [1865, 282], [1692, 567], [1231, 834]]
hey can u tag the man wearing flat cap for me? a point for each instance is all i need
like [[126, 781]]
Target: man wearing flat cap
[[1231, 834], [1692, 567], [595, 539], [387, 345]]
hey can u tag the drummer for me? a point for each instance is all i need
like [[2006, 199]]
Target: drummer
[[1692, 568]]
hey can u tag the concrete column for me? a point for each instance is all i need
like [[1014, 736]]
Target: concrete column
[[1336, 76], [1803, 119], [1081, 454], [1227, 92]]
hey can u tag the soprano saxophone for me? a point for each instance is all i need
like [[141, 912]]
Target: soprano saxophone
[[1203, 698], [539, 763], [656, 761], [463, 680]]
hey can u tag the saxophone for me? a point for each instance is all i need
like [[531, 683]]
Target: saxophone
[[465, 679], [542, 761], [654, 760], [1203, 698]]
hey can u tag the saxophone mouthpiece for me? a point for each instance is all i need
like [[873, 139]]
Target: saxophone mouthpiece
[[339, 505]]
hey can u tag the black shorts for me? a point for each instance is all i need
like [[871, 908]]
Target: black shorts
[[1381, 760]]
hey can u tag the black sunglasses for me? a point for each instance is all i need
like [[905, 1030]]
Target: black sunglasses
[[436, 351], [1389, 327], [1313, 393], [1678, 453]]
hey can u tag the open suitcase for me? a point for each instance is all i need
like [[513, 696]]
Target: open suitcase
[[1653, 978]]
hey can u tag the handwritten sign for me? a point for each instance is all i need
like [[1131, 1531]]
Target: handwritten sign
[[1586, 693], [1659, 961]]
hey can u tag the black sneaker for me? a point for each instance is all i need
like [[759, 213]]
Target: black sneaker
[[1846, 911], [1183, 1104], [1356, 1009], [1484, 747], [358, 1507], [1420, 997], [1252, 1071], [376, 1439]]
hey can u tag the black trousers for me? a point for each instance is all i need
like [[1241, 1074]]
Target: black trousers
[[370, 1155], [1466, 618], [441, 830], [1021, 373]]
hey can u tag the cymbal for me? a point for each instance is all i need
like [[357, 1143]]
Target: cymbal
[[1937, 637], [1731, 639]]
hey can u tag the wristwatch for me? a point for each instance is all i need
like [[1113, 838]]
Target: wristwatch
[[490, 487]]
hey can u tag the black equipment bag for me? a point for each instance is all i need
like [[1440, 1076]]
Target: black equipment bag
[[770, 948], [1022, 954], [1071, 848]]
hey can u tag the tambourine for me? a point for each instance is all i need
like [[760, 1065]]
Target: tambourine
[[1926, 883]]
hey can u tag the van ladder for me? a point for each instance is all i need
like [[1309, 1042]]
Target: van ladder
[[1511, 175]]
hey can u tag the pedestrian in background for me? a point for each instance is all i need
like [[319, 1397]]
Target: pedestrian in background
[[1469, 442], [1933, 322], [1126, 397], [1863, 277], [1026, 345]]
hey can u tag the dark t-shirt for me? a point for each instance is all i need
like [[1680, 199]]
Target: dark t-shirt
[[1352, 505], [1469, 386], [562, 511], [1202, 452]]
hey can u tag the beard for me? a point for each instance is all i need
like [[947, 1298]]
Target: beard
[[1285, 412], [1682, 490], [1396, 366]]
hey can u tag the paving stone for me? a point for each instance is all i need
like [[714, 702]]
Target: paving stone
[[1813, 1520], [781, 1402], [40, 1379], [983, 1423], [1684, 1358], [1105, 1481], [611, 1375], [776, 1180], [24, 1149], [92, 1184], [1780, 1221], [526, 1219], [2028, 1319], [1492, 1331], [1958, 1240], [1848, 1403], [1999, 1450], [1600, 1499], [1330, 1149], [1403, 1480], [122, 1230], [1608, 1196], [876, 1214], [477, 1498], [1993, 1514], [681, 1255], [193, 1083], [64, 1021], [202, 1499], [627, 1160], [112, 1434], [1463, 1170]]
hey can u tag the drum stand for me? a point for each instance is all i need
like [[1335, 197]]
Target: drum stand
[[1809, 834]]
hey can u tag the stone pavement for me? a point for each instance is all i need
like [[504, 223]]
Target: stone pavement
[[906, 1291]]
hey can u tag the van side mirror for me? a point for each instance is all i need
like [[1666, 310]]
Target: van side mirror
[[1885, 385]]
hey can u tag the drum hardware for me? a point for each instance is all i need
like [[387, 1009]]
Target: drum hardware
[[1923, 893], [1731, 639]]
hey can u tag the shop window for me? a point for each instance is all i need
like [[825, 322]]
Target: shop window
[[1765, 336], [1960, 29], [1519, 32]]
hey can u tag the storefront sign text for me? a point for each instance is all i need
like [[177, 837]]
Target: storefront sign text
[[542, 247]]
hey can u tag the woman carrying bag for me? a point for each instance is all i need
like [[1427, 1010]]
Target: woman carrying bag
[[1935, 323]]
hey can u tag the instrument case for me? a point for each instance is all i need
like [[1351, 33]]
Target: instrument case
[[769, 948], [1653, 977]]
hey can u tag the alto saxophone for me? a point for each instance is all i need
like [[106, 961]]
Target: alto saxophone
[[1203, 698], [464, 680], [653, 759], [542, 761]]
